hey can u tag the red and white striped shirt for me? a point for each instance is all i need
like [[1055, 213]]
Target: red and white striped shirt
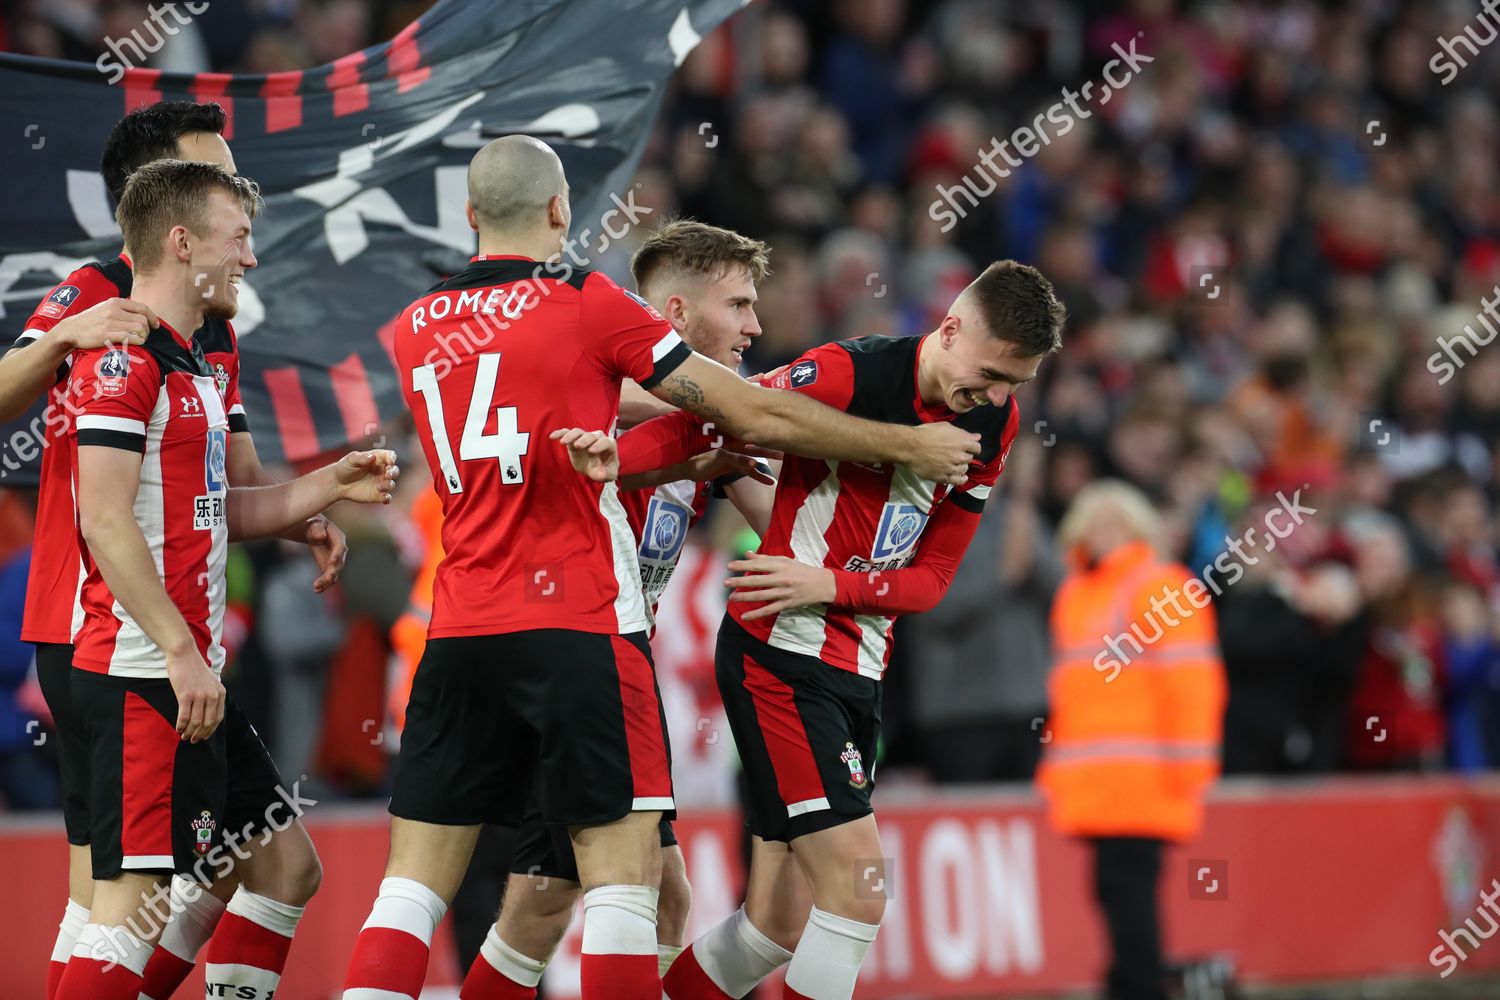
[[892, 539], [53, 612], [163, 400]]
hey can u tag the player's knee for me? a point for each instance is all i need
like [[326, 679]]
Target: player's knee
[[780, 924], [305, 879], [295, 879], [865, 910], [535, 914]]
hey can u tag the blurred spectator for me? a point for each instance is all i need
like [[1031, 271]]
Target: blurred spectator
[[979, 661], [27, 779], [1135, 742], [1291, 650], [1397, 706]]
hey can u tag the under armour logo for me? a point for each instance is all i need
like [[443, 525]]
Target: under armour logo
[[191, 405]]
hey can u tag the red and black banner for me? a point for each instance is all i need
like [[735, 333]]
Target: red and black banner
[[362, 163]]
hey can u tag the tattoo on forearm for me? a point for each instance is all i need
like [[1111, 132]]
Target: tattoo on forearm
[[686, 394]]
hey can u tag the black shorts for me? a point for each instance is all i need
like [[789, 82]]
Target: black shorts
[[543, 850], [576, 713], [54, 667], [157, 804], [806, 734]]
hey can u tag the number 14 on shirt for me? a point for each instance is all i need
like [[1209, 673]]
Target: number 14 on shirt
[[507, 444]]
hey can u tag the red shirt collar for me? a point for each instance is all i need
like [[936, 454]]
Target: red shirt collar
[[498, 256]]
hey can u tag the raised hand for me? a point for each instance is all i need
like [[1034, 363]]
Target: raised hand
[[367, 476], [593, 453], [943, 453], [111, 323]]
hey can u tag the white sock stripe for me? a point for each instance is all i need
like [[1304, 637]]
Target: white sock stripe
[[730, 956], [112, 944], [757, 942], [640, 900], [620, 920], [511, 964], [843, 926], [195, 912], [265, 912], [829, 955], [75, 918], [367, 993], [407, 905]]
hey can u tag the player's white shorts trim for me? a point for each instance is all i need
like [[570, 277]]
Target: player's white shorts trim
[[659, 804], [806, 806], [148, 861]]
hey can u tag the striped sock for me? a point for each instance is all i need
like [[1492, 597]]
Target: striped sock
[[390, 955], [248, 951], [106, 965], [75, 917], [826, 963], [195, 914], [501, 973], [619, 944], [727, 962]]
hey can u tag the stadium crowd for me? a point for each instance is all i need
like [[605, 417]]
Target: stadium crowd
[[1277, 241]]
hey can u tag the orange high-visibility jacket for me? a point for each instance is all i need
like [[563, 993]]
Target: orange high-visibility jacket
[[409, 634], [1137, 697]]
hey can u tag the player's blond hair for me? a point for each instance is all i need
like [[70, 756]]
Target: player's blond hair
[[168, 193], [688, 248]]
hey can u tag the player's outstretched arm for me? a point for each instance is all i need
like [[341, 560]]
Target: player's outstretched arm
[[361, 476], [788, 421], [638, 406], [26, 374], [326, 543], [107, 482], [701, 469]]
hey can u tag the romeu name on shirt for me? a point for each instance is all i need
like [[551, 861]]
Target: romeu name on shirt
[[892, 539], [53, 612], [492, 361], [162, 401]]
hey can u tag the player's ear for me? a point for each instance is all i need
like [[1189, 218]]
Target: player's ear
[[557, 212], [180, 239], [948, 330], [675, 312], [469, 214]]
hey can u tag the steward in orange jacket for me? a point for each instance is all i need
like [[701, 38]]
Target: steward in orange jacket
[[1137, 697]]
